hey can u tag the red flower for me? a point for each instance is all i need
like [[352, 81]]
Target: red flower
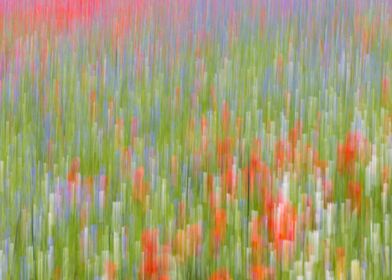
[[355, 191], [282, 153], [257, 172], [219, 229], [150, 241], [150, 262], [150, 267], [282, 224], [73, 181], [230, 181], [353, 148], [225, 158]]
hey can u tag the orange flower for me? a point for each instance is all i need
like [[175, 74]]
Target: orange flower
[[204, 133], [110, 270], [321, 164], [340, 262], [140, 187], [340, 252], [295, 133], [230, 181], [180, 244], [219, 229], [57, 273], [221, 274], [260, 272], [139, 174], [177, 96], [92, 99], [213, 199], [224, 155], [72, 178], [257, 172], [164, 277], [220, 218], [164, 263], [255, 238], [282, 153], [73, 170]]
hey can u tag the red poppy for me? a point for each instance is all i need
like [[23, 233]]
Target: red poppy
[[282, 224], [355, 191], [150, 241], [219, 229], [353, 148], [150, 262], [225, 158], [73, 180], [230, 181], [150, 267]]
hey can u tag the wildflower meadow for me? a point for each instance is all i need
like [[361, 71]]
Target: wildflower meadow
[[195, 139]]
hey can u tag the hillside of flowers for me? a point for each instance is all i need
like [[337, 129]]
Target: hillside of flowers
[[195, 139]]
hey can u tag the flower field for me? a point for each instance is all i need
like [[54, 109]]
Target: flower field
[[195, 139]]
